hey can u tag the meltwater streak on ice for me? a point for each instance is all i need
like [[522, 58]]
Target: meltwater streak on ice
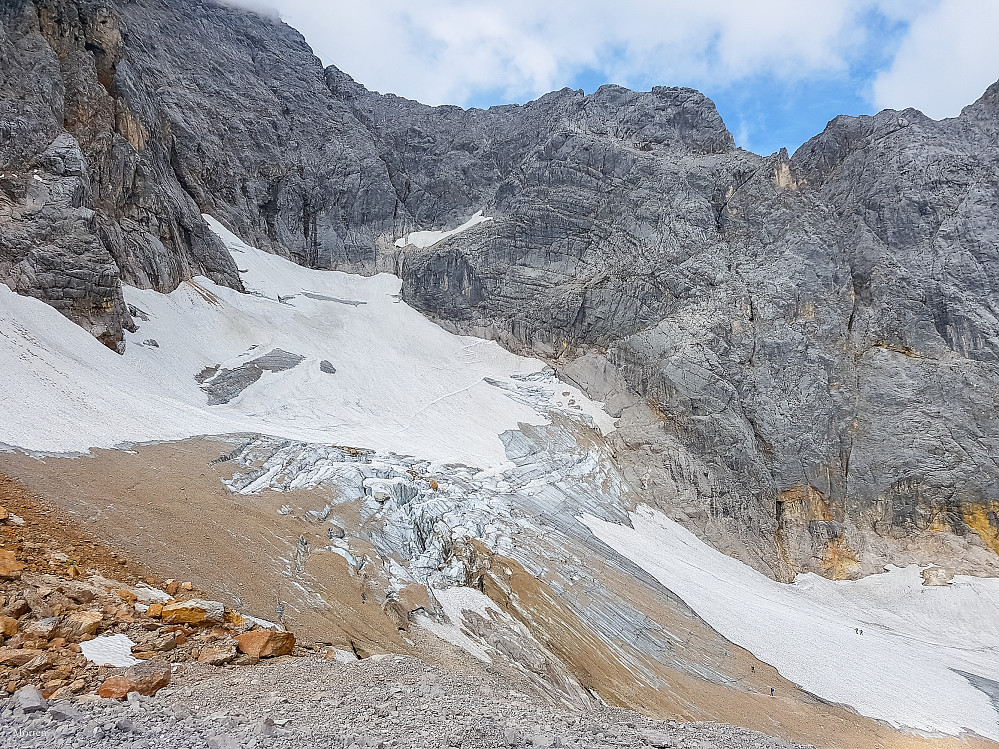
[[401, 383], [901, 670]]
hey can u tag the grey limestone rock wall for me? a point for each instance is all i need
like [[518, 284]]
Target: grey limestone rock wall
[[815, 336], [89, 197]]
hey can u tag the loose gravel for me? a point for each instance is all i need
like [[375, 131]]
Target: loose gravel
[[313, 702]]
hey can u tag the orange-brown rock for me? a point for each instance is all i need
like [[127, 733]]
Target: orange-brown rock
[[195, 611], [217, 655], [127, 596], [17, 608], [265, 643], [17, 657], [10, 568], [8, 626], [145, 678], [172, 586], [155, 610]]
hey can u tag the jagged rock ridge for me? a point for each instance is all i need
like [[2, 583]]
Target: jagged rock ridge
[[803, 350]]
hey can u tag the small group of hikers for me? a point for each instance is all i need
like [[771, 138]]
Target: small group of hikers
[[752, 670]]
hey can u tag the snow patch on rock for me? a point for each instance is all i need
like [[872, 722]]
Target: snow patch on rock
[[424, 239], [110, 650]]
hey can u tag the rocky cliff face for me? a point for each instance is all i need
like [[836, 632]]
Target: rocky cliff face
[[803, 350], [89, 193]]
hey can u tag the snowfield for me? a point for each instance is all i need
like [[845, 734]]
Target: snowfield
[[424, 239], [903, 670], [372, 372]]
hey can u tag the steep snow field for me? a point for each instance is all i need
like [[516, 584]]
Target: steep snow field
[[424, 239], [401, 383], [903, 669]]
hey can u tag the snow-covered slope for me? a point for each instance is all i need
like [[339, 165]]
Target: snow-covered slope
[[904, 668], [355, 366]]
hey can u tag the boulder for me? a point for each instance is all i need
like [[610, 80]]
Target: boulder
[[17, 608], [80, 624], [39, 663], [8, 626], [81, 596], [160, 644], [64, 712], [43, 629], [30, 700], [217, 655], [195, 611], [17, 657], [10, 568], [937, 576], [38, 605], [265, 643], [145, 678]]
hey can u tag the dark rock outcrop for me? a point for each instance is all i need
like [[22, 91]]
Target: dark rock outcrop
[[804, 350]]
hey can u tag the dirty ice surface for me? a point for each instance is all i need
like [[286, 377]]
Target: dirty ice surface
[[424, 239], [902, 670], [401, 383]]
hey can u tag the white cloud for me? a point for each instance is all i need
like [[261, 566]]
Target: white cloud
[[446, 51], [261, 7], [454, 51], [947, 60]]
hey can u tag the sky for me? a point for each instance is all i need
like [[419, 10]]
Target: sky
[[778, 70]]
